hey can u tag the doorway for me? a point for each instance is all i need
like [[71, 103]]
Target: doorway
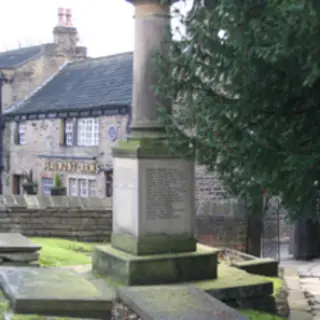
[[17, 181]]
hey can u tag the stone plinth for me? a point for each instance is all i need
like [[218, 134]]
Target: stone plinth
[[131, 269], [153, 203]]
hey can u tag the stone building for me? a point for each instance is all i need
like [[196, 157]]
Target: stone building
[[66, 111], [28, 68], [69, 125]]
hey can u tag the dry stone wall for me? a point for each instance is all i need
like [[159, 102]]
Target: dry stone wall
[[90, 219], [85, 219]]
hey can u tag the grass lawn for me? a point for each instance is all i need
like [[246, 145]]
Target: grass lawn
[[60, 252], [256, 315]]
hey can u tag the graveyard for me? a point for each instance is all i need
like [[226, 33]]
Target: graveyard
[[231, 283], [153, 266]]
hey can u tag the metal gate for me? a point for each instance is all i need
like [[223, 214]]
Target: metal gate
[[271, 245]]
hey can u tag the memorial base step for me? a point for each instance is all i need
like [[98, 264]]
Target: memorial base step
[[155, 269]]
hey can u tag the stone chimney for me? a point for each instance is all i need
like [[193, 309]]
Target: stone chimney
[[66, 36]]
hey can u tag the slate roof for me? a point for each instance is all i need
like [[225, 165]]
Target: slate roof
[[14, 58], [84, 85]]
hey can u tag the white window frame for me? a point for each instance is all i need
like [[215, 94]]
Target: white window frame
[[22, 129], [88, 132], [73, 187], [82, 187], [69, 132], [92, 188]]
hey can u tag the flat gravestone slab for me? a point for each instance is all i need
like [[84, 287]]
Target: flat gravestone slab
[[182, 302], [20, 256], [53, 292], [15, 242]]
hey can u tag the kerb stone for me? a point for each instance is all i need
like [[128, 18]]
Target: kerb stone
[[54, 292], [181, 302]]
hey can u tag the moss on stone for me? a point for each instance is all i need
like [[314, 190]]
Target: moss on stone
[[229, 277], [258, 315], [157, 268], [155, 146], [5, 307]]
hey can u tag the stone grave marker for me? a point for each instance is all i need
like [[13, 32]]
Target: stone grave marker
[[59, 202], [54, 292], [3, 207], [93, 203], [44, 202], [182, 302], [9, 200], [74, 202], [20, 200], [153, 187], [15, 242], [32, 201]]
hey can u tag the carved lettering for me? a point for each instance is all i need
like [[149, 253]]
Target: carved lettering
[[64, 166], [166, 189]]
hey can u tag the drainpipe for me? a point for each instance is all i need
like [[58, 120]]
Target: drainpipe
[[2, 79]]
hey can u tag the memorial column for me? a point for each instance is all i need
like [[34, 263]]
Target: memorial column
[[153, 198], [153, 218], [152, 20]]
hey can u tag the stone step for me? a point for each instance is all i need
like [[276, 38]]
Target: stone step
[[183, 302], [133, 270], [54, 292]]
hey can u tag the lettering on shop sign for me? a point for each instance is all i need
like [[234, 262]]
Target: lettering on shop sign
[[71, 166]]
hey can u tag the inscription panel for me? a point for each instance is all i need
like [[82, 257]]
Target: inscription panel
[[166, 190], [166, 199]]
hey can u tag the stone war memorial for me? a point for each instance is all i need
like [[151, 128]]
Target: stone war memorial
[[153, 263]]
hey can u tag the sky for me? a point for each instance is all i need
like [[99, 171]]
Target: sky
[[104, 26]]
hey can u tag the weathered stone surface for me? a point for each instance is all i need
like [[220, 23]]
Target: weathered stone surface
[[265, 267], [157, 268], [54, 292], [181, 302], [19, 264], [235, 284], [20, 256], [15, 242], [165, 209], [44, 201]]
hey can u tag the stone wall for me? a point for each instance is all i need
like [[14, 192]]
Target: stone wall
[[90, 219], [66, 217], [222, 231]]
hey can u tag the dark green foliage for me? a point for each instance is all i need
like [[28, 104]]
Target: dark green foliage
[[57, 181], [250, 97]]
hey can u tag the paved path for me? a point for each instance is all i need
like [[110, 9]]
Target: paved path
[[303, 281]]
